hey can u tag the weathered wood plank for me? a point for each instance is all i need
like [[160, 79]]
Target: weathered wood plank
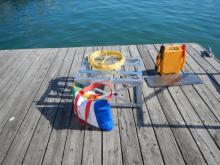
[[213, 86], [11, 60], [21, 108], [204, 64], [6, 58], [111, 143], [38, 145], [75, 134], [212, 61], [3, 57], [129, 138], [20, 144], [56, 144], [111, 149], [207, 96], [149, 145], [198, 130], [194, 121], [207, 117], [177, 125], [3, 52], [93, 138], [208, 82], [15, 59], [201, 61], [182, 135], [130, 142], [207, 108], [13, 81], [14, 75], [188, 147], [20, 92]]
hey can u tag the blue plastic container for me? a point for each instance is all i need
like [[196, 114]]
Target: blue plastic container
[[103, 115]]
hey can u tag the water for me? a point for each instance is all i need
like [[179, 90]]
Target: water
[[58, 23]]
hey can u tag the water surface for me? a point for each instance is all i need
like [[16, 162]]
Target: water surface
[[58, 23]]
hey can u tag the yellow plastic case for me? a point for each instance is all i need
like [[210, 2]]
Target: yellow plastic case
[[171, 59]]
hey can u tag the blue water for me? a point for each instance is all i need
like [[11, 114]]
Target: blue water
[[59, 23]]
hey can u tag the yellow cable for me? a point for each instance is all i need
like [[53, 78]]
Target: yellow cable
[[98, 60]]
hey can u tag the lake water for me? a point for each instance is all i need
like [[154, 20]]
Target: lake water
[[59, 23]]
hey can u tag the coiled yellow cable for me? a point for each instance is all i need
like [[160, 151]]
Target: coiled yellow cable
[[106, 60]]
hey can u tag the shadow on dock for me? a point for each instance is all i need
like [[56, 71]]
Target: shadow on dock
[[56, 106]]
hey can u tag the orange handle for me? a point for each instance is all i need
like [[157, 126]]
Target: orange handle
[[184, 55]]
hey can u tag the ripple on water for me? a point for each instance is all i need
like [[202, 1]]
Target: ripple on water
[[53, 23]]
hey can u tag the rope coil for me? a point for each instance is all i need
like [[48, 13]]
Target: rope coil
[[106, 60]]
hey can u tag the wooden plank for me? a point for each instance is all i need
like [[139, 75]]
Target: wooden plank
[[210, 98], [3, 52], [93, 138], [192, 138], [21, 108], [149, 146], [37, 147], [204, 64], [6, 56], [3, 56], [111, 147], [188, 147], [207, 96], [168, 144], [182, 135], [208, 82], [203, 139], [214, 62], [75, 134], [127, 127], [18, 68], [13, 99], [111, 143], [10, 84], [56, 144], [211, 101], [207, 107], [11, 60], [192, 120], [8, 70], [20, 144], [201, 61], [51, 158], [213, 86], [127, 124], [207, 117]]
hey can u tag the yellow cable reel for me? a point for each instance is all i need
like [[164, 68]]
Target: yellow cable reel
[[106, 60]]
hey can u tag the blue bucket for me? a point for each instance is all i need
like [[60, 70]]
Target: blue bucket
[[103, 114]]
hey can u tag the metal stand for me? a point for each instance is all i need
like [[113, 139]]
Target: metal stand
[[126, 80]]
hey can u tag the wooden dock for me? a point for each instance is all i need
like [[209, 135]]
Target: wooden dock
[[176, 125]]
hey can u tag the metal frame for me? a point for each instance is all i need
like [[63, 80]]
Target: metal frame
[[129, 79]]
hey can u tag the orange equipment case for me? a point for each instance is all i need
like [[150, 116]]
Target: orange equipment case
[[170, 59]]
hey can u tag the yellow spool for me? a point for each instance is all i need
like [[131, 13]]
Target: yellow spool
[[106, 60]]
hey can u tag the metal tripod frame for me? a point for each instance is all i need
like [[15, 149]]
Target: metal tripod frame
[[128, 80]]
